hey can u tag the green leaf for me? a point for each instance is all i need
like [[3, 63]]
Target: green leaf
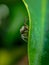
[[38, 50]]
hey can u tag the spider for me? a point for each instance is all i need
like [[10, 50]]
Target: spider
[[24, 31]]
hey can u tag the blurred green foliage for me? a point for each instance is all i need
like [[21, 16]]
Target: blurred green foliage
[[12, 47]]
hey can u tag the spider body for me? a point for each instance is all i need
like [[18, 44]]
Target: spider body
[[24, 32]]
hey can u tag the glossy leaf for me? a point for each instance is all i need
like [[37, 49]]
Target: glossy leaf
[[38, 44]]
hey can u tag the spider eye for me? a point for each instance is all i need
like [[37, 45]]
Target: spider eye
[[22, 29]]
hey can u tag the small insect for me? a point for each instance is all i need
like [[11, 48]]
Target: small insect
[[24, 32]]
